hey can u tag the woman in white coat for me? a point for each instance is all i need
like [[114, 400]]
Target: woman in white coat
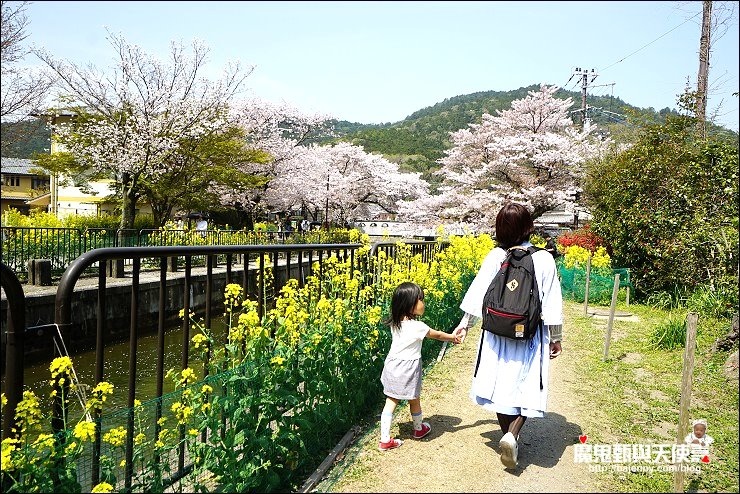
[[510, 377]]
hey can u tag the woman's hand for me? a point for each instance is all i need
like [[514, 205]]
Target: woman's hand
[[459, 334], [456, 338], [555, 349]]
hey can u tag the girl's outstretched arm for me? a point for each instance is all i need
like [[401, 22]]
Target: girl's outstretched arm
[[442, 336]]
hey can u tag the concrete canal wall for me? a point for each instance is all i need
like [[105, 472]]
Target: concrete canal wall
[[81, 336]]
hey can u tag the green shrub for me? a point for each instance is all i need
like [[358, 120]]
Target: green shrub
[[670, 334], [720, 301], [662, 205]]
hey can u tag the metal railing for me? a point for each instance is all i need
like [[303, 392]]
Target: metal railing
[[62, 245], [285, 261], [261, 266], [14, 346]]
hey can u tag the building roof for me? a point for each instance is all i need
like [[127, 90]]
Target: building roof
[[52, 113], [19, 166]]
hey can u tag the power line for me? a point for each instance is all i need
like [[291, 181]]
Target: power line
[[653, 41]]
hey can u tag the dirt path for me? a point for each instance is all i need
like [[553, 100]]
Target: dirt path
[[461, 453]]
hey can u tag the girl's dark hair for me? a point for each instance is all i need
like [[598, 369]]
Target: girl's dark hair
[[514, 225], [403, 301]]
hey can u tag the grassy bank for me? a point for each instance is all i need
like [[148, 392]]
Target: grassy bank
[[635, 394]]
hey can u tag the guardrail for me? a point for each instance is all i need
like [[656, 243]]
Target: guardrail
[[261, 265], [14, 346], [61, 246]]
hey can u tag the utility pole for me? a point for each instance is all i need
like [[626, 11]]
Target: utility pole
[[701, 80], [584, 73]]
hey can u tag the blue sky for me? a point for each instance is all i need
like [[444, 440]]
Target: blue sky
[[374, 62]]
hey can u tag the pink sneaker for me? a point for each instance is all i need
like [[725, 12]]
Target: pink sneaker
[[392, 444], [425, 429]]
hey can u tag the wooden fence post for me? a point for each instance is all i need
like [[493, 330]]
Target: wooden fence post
[[608, 336], [588, 279], [686, 379]]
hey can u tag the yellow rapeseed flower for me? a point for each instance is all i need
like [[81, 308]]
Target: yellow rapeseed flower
[[60, 365], [9, 445], [199, 339], [115, 437], [71, 449], [84, 431], [188, 376], [102, 487], [104, 388], [28, 411], [44, 441], [182, 412]]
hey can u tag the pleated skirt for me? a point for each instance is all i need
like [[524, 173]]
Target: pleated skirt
[[401, 379]]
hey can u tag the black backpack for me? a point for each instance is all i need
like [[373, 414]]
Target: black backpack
[[511, 305]]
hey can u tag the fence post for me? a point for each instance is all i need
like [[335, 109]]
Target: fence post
[[39, 272], [628, 287], [608, 336], [688, 371], [588, 280], [116, 268]]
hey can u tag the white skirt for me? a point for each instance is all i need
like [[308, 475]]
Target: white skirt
[[401, 379], [507, 378]]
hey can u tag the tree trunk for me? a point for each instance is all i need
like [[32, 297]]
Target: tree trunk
[[128, 207], [701, 80]]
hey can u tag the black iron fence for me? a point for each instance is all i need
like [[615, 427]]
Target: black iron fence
[[264, 270], [261, 270], [62, 245]]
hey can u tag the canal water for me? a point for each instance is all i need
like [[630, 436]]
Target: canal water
[[37, 376]]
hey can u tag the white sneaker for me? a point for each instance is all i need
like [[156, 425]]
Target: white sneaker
[[509, 450]]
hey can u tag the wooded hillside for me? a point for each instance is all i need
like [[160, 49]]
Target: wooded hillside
[[419, 140], [416, 142]]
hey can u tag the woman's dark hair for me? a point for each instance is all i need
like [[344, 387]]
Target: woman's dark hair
[[514, 225], [403, 301]]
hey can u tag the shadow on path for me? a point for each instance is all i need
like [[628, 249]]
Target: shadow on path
[[442, 425], [542, 441]]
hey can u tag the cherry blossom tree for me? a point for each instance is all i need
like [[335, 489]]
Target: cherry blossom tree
[[140, 119], [531, 153], [283, 133], [340, 179], [22, 88]]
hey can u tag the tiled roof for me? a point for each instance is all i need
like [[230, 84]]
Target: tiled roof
[[18, 166]]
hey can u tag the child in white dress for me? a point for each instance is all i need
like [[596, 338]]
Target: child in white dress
[[401, 375]]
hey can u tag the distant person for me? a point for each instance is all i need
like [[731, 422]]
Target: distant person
[[201, 225], [551, 246], [305, 225], [401, 375], [699, 434], [510, 376]]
